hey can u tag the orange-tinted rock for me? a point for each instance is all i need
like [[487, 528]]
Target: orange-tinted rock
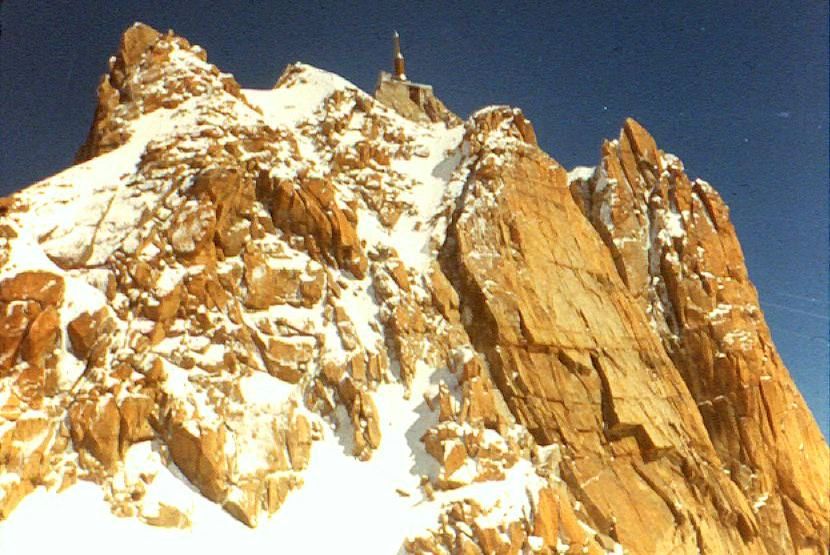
[[287, 359], [199, 454], [135, 41], [267, 286], [243, 255], [25, 450], [365, 420], [505, 120], [478, 401], [193, 229], [444, 297], [573, 354], [136, 414], [454, 457], [309, 210], [546, 518], [95, 426], [678, 253], [31, 385], [243, 504], [143, 78], [276, 491], [85, 330], [233, 197], [299, 443], [167, 516], [14, 321], [30, 329], [45, 288], [42, 337]]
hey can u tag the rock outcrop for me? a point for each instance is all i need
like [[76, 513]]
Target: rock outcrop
[[676, 250], [396, 317], [148, 73], [575, 358]]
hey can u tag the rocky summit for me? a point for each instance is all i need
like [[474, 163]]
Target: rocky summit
[[314, 320]]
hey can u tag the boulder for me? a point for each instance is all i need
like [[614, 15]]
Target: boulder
[[42, 287], [87, 329]]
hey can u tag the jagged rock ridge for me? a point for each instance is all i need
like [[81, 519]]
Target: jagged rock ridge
[[310, 304]]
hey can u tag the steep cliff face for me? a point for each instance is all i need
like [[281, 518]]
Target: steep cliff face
[[306, 307], [676, 250], [575, 359]]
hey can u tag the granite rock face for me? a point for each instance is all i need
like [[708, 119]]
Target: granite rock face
[[292, 293], [575, 358], [676, 250]]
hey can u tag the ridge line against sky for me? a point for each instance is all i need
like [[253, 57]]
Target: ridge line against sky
[[740, 95]]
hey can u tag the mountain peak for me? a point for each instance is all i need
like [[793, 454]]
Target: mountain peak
[[150, 71], [135, 41], [309, 305]]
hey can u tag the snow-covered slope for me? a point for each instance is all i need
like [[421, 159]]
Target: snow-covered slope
[[125, 233], [295, 319]]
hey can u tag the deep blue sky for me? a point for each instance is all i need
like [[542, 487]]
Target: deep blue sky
[[738, 90]]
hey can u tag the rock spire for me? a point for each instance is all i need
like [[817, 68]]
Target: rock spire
[[392, 330]]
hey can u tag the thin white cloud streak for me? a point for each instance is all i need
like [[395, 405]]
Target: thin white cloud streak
[[796, 310]]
